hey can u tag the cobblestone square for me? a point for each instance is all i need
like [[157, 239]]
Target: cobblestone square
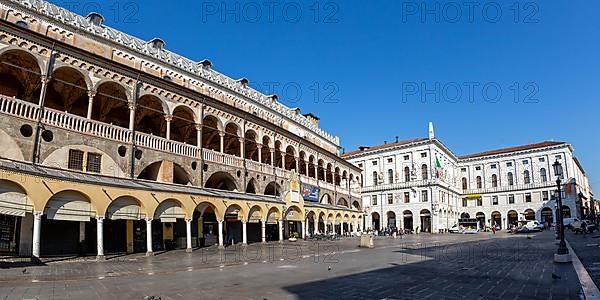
[[449, 266]]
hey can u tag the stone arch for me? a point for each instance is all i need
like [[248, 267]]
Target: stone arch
[[290, 158], [20, 74], [68, 91], [222, 181], [251, 145], [255, 214], [211, 128], [236, 209], [294, 213], [126, 208], [208, 206], [266, 150], [183, 125], [326, 199], [40, 62], [232, 139], [70, 205], [273, 189], [343, 202], [164, 107], [273, 215], [10, 148], [59, 159], [252, 186], [169, 210], [111, 104], [150, 115], [165, 171], [14, 199]]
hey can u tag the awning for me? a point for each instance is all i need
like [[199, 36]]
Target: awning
[[473, 196], [14, 203], [69, 206], [169, 212], [272, 218], [254, 217], [293, 215]]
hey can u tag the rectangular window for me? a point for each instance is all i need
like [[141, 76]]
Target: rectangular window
[[424, 196], [495, 200], [493, 166], [390, 199], [545, 195], [558, 157], [511, 199], [374, 162], [479, 202], [406, 157], [463, 169], [509, 164], [75, 160], [542, 159], [406, 197], [464, 202], [525, 162], [360, 165], [390, 160], [478, 168], [374, 200], [424, 154], [94, 162], [527, 197]]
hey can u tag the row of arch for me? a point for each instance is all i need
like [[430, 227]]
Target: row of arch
[[69, 90]]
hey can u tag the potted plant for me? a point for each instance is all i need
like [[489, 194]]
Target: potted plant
[[294, 237]]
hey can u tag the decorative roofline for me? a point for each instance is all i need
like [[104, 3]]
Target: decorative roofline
[[172, 59]]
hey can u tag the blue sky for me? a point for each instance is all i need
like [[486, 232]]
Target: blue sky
[[369, 69]]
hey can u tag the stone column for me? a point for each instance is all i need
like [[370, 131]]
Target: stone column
[[297, 164], [198, 127], [149, 238], [221, 246], [317, 172], [306, 165], [283, 160], [263, 235], [280, 224], [168, 119], [259, 148], [100, 237], [91, 95], [242, 147], [273, 157], [45, 80], [131, 106], [188, 235], [304, 227], [37, 226], [244, 234], [222, 141]]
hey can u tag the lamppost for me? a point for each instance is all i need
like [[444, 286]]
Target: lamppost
[[562, 255]]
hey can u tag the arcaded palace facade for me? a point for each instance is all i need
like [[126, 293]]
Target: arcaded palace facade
[[420, 184], [114, 144]]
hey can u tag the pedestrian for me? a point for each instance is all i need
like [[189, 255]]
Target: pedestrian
[[494, 229], [583, 228]]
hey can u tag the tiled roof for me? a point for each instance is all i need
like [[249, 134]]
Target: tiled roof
[[382, 146], [513, 149]]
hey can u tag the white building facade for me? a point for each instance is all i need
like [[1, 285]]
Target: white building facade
[[421, 185]]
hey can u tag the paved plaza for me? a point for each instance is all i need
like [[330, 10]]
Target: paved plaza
[[481, 266]]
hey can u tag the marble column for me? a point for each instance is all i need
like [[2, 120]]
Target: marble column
[[280, 224], [100, 238], [221, 245], [149, 251], [37, 226], [168, 119], [263, 235], [188, 235], [244, 234]]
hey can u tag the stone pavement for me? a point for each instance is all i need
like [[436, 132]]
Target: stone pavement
[[587, 249], [481, 266]]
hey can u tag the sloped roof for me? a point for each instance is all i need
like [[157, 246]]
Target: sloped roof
[[513, 149], [383, 146]]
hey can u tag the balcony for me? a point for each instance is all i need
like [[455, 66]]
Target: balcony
[[399, 185], [31, 112]]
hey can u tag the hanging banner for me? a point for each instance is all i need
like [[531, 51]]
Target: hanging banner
[[310, 193]]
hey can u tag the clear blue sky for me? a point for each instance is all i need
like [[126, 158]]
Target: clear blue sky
[[367, 57]]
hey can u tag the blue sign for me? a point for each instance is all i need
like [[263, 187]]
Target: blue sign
[[310, 193]]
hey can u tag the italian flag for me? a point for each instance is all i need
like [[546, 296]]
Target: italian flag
[[438, 167]]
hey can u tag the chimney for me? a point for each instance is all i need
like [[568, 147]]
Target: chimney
[[396, 139], [95, 18], [313, 119], [244, 82], [157, 43], [205, 64]]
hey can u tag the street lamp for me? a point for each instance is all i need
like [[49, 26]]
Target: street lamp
[[562, 255]]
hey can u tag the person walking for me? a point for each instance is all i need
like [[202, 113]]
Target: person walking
[[494, 229]]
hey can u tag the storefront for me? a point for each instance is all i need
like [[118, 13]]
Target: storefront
[[9, 234]]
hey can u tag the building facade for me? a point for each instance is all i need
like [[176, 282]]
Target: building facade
[[114, 144], [421, 185]]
